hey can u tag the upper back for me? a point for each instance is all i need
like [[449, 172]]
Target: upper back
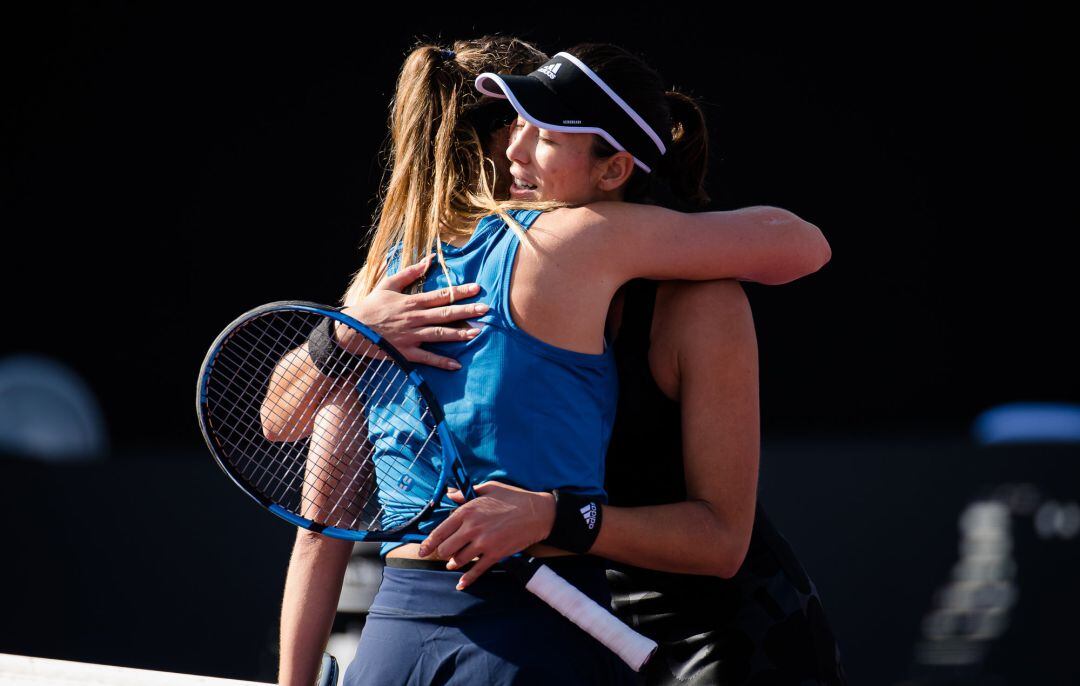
[[525, 411], [560, 289]]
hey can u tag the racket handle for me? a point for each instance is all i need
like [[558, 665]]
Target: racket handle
[[328, 671], [634, 649]]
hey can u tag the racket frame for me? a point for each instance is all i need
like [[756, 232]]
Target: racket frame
[[452, 468]]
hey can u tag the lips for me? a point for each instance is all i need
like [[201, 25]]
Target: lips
[[521, 188]]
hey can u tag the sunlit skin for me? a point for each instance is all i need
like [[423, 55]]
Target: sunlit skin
[[548, 165]]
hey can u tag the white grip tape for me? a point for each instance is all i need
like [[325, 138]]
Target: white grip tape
[[632, 647]]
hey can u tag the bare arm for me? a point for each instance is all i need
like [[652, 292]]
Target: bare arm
[[337, 458], [312, 588], [709, 349], [764, 244]]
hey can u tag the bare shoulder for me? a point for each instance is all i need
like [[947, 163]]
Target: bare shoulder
[[566, 225], [702, 305], [582, 238], [700, 325]]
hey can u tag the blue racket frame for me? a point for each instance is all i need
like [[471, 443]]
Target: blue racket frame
[[451, 467]]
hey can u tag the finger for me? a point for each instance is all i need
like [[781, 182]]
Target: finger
[[463, 556], [455, 495], [445, 296], [443, 314], [454, 544], [482, 565], [440, 534], [443, 334], [421, 356], [398, 282]]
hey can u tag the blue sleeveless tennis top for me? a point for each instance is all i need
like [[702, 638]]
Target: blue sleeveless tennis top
[[523, 412]]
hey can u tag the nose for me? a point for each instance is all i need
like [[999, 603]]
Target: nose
[[518, 150]]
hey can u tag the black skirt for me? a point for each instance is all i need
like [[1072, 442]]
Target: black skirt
[[764, 626]]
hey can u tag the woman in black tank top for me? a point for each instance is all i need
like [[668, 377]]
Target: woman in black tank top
[[765, 625]]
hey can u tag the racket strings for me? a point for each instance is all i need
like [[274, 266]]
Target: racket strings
[[338, 370], [328, 468], [333, 471], [252, 398], [334, 449], [247, 396]]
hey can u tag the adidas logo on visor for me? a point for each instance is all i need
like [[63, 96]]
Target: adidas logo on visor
[[549, 70]]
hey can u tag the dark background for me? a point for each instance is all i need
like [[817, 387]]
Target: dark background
[[164, 169]]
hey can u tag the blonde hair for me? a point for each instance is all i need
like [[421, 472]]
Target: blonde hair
[[438, 181]]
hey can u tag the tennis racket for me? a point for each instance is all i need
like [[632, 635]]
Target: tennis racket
[[358, 451]]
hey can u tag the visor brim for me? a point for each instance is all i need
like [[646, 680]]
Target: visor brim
[[541, 107], [532, 99]]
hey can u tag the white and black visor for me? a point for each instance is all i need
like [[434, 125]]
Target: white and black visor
[[565, 95]]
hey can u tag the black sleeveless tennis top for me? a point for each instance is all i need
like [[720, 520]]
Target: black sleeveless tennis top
[[764, 625]]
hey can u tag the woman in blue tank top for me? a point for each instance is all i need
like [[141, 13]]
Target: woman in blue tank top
[[524, 412], [580, 255]]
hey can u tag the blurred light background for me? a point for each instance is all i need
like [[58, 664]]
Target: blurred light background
[[918, 395]]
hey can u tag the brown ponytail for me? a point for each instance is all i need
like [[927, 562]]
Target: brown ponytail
[[438, 182], [687, 158]]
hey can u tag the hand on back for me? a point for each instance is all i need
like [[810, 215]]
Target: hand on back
[[408, 320]]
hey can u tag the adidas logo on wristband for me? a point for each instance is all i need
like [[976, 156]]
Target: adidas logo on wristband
[[589, 513], [578, 519]]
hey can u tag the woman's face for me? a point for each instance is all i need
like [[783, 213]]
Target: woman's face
[[548, 165]]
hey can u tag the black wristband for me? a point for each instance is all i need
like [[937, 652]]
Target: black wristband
[[329, 357], [577, 522]]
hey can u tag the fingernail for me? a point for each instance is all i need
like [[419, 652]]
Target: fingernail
[[460, 586], [473, 286], [480, 308], [473, 332], [422, 552], [453, 365], [451, 566]]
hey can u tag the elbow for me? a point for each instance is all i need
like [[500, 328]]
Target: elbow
[[817, 251], [731, 542], [731, 559], [271, 430], [809, 250], [274, 428], [728, 557], [822, 251]]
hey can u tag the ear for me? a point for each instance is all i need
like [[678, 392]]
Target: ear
[[614, 171]]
